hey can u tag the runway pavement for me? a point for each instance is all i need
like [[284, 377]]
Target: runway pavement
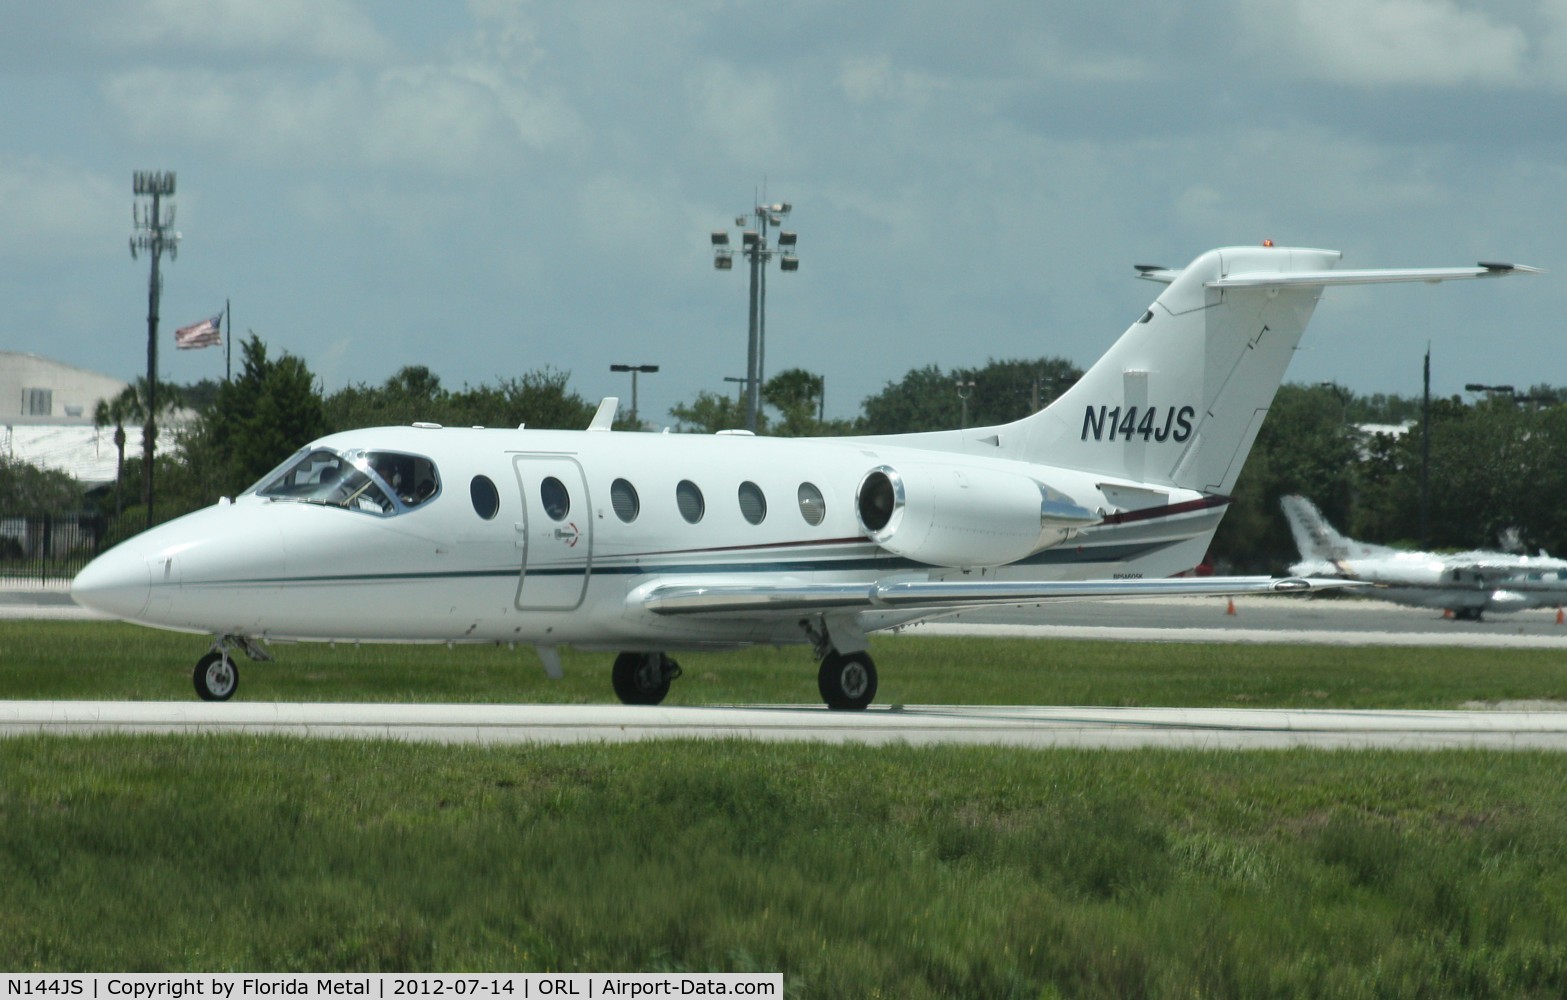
[[1189, 728], [1337, 620], [1255, 620]]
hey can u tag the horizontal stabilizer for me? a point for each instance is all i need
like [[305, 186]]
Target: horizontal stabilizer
[[689, 599], [1155, 272], [1432, 275]]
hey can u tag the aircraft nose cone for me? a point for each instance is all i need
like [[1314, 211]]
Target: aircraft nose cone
[[117, 583]]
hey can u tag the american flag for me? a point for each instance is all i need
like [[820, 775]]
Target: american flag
[[204, 334]]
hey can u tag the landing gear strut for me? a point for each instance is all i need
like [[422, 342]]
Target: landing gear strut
[[643, 678]]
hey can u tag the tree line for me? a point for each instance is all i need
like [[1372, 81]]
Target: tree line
[[1494, 466]]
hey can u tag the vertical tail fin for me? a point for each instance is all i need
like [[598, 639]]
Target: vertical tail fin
[[1320, 545], [1177, 401]]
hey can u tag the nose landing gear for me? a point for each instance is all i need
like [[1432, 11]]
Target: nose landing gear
[[216, 676]]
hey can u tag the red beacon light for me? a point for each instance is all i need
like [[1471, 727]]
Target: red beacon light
[[1267, 243]]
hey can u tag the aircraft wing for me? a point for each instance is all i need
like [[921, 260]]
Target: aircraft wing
[[701, 598]]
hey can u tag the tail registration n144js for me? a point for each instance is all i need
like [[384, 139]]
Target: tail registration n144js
[[643, 545]]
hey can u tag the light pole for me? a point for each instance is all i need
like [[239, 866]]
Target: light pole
[[758, 252], [965, 390], [634, 370], [154, 234], [1343, 396]]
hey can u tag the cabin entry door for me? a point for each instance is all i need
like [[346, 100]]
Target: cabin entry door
[[555, 535]]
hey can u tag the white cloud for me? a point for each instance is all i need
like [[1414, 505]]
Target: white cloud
[[418, 119], [323, 29], [740, 111], [62, 210], [1389, 42]]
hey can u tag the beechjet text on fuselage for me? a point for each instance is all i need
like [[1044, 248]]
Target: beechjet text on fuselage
[[643, 544]]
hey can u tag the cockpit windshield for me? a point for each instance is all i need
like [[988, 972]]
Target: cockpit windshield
[[376, 482]]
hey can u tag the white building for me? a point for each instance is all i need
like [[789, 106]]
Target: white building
[[38, 390], [46, 411]]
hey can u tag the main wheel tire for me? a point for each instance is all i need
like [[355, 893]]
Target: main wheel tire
[[847, 682], [217, 678], [643, 678]]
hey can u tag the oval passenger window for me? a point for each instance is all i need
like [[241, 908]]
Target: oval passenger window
[[486, 498], [557, 502], [623, 497], [689, 499]]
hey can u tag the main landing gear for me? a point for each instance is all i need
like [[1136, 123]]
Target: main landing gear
[[643, 678], [847, 681], [847, 678], [217, 677]]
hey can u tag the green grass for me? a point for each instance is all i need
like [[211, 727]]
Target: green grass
[[857, 871], [74, 660]]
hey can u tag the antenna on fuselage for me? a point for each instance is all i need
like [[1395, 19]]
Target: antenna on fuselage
[[605, 417]]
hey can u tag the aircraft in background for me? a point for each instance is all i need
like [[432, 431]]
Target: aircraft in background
[[1466, 583], [641, 544]]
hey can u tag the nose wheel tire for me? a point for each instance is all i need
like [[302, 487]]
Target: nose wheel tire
[[847, 682], [643, 678], [217, 678]]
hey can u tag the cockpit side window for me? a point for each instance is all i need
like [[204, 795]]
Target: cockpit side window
[[381, 483], [412, 478]]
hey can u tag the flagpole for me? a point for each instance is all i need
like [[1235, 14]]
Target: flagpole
[[228, 343]]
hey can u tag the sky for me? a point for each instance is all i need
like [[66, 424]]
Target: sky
[[495, 187]]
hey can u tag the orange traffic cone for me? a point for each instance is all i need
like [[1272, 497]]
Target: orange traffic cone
[[1230, 610], [1558, 616]]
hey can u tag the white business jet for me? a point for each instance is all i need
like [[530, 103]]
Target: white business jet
[[1466, 583], [642, 544]]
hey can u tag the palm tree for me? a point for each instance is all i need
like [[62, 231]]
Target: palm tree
[[130, 406]]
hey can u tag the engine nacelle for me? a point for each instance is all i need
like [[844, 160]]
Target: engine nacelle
[[964, 516]]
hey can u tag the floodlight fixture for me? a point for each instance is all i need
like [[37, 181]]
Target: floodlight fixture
[[757, 252], [150, 182]]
